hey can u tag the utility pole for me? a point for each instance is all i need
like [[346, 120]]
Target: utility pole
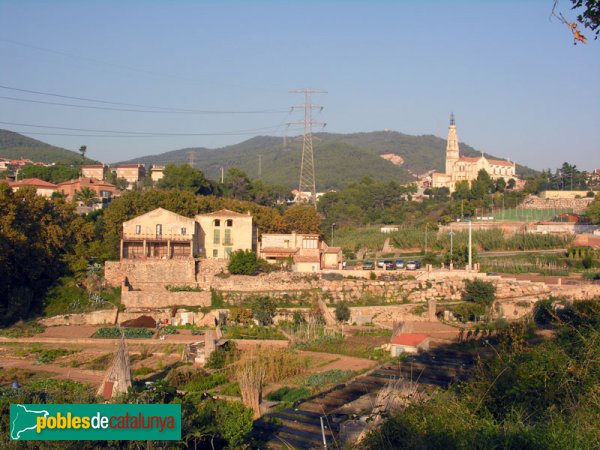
[[426, 226], [307, 164], [332, 225], [222, 175], [451, 246], [470, 249], [191, 159]]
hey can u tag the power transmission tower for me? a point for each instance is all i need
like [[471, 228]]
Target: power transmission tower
[[307, 164], [191, 159]]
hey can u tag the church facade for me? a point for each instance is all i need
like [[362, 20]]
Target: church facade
[[466, 168]]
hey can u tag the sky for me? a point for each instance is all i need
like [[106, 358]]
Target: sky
[[169, 75]]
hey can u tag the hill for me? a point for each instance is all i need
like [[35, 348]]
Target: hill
[[16, 146], [338, 157]]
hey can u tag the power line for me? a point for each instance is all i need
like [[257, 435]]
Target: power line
[[158, 109], [120, 133]]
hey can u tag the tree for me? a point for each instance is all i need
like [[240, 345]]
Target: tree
[[301, 219], [40, 241], [590, 17], [53, 174], [342, 312], [480, 292], [237, 184], [82, 151], [593, 210], [243, 262], [263, 310], [185, 178], [87, 196], [511, 184]]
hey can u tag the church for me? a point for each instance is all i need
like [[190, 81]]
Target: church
[[466, 168]]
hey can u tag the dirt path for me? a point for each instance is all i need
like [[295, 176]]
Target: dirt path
[[91, 377], [333, 361]]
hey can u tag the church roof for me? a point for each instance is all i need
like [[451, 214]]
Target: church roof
[[469, 158], [497, 162]]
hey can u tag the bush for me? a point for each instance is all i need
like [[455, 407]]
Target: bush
[[130, 333], [342, 312], [480, 292], [243, 262], [334, 376], [263, 310]]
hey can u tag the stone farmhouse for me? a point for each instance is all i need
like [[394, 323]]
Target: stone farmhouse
[[464, 168], [306, 252]]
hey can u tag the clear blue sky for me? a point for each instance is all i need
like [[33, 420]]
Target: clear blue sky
[[519, 87]]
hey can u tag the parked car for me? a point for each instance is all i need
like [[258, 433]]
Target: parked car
[[400, 264], [413, 265], [381, 263], [390, 265], [368, 264]]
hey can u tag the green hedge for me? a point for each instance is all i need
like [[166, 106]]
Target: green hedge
[[130, 333]]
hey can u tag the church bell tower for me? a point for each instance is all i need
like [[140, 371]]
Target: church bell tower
[[451, 147]]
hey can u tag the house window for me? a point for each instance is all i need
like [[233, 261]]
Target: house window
[[183, 231], [227, 240], [216, 236], [158, 229], [215, 253], [138, 229], [217, 223], [227, 252], [229, 223], [309, 243], [286, 243]]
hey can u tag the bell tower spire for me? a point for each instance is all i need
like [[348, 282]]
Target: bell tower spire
[[452, 151]]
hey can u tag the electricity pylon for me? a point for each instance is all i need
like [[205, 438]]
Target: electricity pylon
[[307, 164]]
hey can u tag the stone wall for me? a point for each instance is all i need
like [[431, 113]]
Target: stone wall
[[101, 317], [161, 299], [305, 289], [146, 271]]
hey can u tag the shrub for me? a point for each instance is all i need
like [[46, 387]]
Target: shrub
[[372, 276], [183, 288], [243, 262], [480, 292], [342, 312], [131, 333], [263, 310]]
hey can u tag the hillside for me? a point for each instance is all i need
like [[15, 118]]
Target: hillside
[[338, 157], [16, 146]]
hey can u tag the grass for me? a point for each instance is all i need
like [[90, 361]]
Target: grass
[[517, 214], [141, 371], [374, 332], [288, 394], [252, 332], [335, 376], [23, 329], [44, 355], [356, 346], [129, 333]]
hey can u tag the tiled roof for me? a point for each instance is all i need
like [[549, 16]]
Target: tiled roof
[[32, 182], [288, 251], [314, 258], [333, 250], [93, 166], [88, 182], [129, 166], [497, 162], [469, 158], [412, 339]]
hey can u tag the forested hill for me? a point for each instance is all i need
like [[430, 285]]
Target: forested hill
[[338, 157], [16, 146]]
